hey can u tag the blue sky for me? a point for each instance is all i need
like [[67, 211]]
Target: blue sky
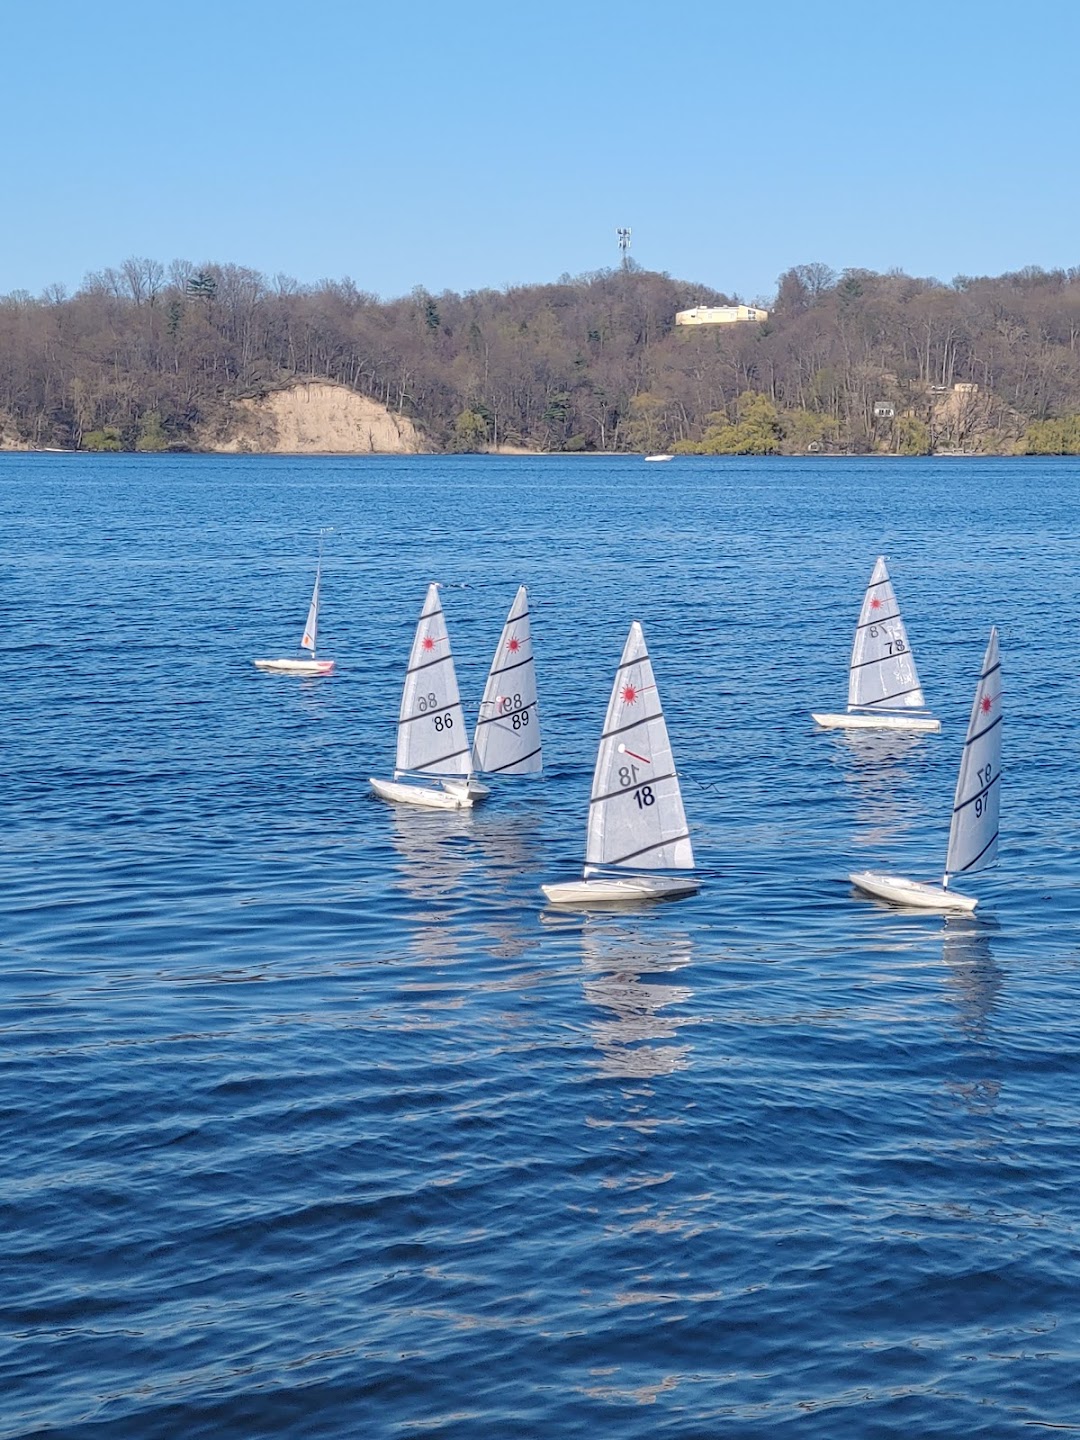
[[486, 144]]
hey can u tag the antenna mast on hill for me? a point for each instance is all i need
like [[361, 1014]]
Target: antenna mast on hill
[[624, 245]]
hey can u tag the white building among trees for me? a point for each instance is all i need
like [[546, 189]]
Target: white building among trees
[[720, 315]]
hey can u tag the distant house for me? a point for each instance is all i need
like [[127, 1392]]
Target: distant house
[[884, 410], [720, 315]]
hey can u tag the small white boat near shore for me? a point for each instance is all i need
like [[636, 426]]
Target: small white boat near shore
[[637, 845], [884, 692], [312, 665], [657, 458], [973, 832]]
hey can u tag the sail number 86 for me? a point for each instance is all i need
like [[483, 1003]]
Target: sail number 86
[[426, 703]]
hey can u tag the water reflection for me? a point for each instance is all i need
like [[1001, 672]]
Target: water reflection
[[879, 766], [974, 985], [626, 966], [435, 860], [975, 979], [509, 848]]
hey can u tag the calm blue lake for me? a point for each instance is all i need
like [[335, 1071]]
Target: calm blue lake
[[317, 1121]]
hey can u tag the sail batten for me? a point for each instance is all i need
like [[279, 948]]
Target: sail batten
[[886, 700], [431, 712], [882, 671], [625, 729], [498, 769], [636, 854], [598, 799], [636, 806], [507, 735], [440, 760], [973, 832]]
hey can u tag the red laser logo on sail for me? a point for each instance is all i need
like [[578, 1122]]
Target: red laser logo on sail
[[987, 704], [629, 694], [875, 604], [428, 643], [513, 644]]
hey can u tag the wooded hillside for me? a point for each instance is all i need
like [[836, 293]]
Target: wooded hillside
[[148, 357]]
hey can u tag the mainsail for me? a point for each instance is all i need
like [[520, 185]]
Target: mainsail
[[636, 815], [311, 629], [507, 740], [882, 674], [973, 834], [431, 727]]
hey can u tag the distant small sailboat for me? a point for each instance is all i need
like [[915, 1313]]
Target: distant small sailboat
[[507, 737], [637, 839], [313, 666], [883, 685], [432, 742], [973, 833]]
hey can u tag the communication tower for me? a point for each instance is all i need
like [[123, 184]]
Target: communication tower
[[624, 245]]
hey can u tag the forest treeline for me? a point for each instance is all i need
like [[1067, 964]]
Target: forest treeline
[[152, 357]]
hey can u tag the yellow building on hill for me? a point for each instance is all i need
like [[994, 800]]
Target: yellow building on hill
[[720, 315]]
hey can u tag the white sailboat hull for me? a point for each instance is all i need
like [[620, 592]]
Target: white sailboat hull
[[608, 889], [295, 667], [453, 795], [900, 891], [894, 721]]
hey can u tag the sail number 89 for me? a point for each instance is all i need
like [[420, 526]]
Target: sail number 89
[[511, 705]]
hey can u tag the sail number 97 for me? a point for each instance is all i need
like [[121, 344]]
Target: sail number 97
[[982, 800], [643, 794]]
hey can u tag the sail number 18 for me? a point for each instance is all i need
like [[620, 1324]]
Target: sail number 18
[[643, 794]]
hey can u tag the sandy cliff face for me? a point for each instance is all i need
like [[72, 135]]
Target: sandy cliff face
[[315, 417], [9, 436]]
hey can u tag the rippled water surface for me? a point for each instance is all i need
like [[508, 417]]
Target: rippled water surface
[[316, 1121]]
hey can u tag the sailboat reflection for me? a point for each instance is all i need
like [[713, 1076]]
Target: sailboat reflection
[[974, 985], [435, 858], [975, 979], [627, 977], [509, 855], [881, 766]]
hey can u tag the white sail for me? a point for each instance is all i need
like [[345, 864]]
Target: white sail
[[311, 629], [973, 834], [507, 740], [431, 727], [636, 815], [882, 674]]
